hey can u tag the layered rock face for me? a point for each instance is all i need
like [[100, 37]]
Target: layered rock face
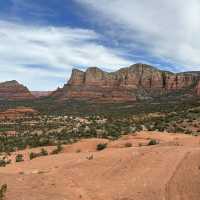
[[198, 89], [138, 81], [18, 113], [12, 90]]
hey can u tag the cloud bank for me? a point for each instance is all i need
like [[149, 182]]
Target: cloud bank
[[40, 52], [167, 30], [38, 55]]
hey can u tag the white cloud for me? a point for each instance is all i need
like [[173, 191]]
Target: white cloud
[[39, 56], [166, 29]]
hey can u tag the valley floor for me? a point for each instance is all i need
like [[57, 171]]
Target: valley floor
[[169, 170]]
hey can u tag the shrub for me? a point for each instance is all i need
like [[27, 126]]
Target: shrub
[[78, 151], [3, 190], [4, 162], [19, 158], [90, 157], [101, 146], [43, 152], [153, 142], [58, 149], [33, 155], [128, 144], [140, 144]]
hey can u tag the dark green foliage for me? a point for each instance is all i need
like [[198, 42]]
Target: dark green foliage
[[4, 162], [33, 155], [128, 144], [101, 146], [153, 142], [43, 152], [174, 115], [58, 149], [3, 190], [167, 103], [19, 158]]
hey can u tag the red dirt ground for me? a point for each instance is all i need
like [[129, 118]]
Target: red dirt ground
[[167, 171]]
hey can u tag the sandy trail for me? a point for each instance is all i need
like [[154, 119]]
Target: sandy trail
[[168, 171]]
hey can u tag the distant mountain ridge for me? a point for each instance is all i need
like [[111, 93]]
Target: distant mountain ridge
[[39, 94], [139, 81], [13, 90], [136, 82]]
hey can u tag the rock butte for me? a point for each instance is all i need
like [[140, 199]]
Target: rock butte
[[12, 90], [139, 81]]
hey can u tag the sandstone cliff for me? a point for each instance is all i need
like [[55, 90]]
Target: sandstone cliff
[[138, 81], [12, 90], [198, 89]]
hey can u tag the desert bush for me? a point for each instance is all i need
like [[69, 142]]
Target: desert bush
[[101, 146], [43, 152], [90, 157], [58, 149], [153, 142], [4, 162], [128, 144], [140, 144], [78, 151], [19, 158], [179, 130], [188, 131], [33, 155], [3, 190]]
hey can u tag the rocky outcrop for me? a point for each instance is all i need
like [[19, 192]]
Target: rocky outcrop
[[12, 90], [138, 81], [18, 113], [198, 88]]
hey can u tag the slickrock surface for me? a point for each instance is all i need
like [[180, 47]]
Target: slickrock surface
[[167, 171]]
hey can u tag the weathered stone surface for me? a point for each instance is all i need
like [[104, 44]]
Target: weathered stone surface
[[18, 113], [198, 88], [138, 81], [12, 90]]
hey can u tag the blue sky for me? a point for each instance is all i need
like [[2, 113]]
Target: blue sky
[[42, 40]]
